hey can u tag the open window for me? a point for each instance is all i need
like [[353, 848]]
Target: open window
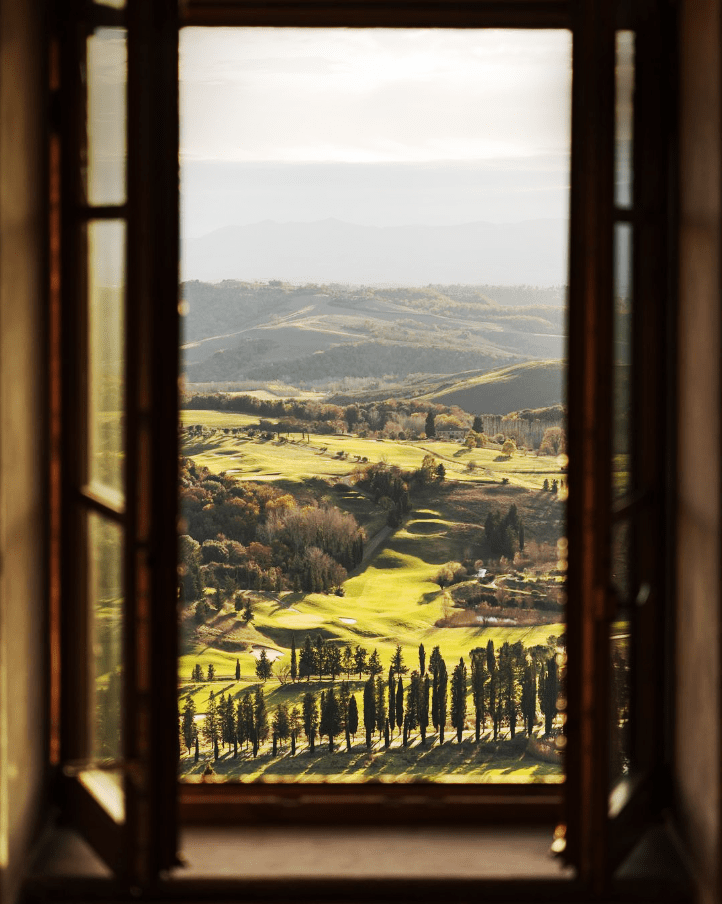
[[116, 341]]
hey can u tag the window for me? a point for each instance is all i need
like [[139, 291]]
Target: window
[[140, 840]]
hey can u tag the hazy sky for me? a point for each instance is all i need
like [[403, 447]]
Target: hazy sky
[[373, 126]]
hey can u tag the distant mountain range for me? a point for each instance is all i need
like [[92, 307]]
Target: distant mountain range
[[532, 252]]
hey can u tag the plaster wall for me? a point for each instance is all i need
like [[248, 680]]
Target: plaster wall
[[698, 695], [22, 484]]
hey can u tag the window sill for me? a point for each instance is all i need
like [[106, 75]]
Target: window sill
[[358, 865]]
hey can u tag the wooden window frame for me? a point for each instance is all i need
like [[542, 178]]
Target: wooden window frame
[[153, 797]]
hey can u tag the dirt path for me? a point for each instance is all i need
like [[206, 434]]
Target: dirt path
[[374, 543]]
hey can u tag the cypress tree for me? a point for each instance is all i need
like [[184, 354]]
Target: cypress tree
[[198, 751], [387, 740], [211, 727], [260, 716], [238, 669], [352, 716], [380, 704], [369, 709], [443, 682], [478, 680], [422, 660], [330, 718], [307, 664], [549, 692], [189, 715], [458, 699], [413, 701], [294, 667], [392, 698], [310, 719], [400, 703], [424, 709]]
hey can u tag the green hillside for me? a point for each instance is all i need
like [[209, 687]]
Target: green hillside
[[532, 384]]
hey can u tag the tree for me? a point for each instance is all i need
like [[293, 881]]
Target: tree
[[197, 674], [528, 695], [333, 661], [422, 660], [294, 666], [369, 709], [282, 722], [248, 612], [478, 424], [307, 664], [397, 662], [347, 660], [424, 708], [374, 667], [509, 448], [260, 719], [352, 723], [380, 704], [549, 692], [310, 718], [189, 730], [545, 485], [211, 724], [479, 678], [413, 701], [400, 702], [430, 426], [294, 724], [360, 664], [245, 720], [439, 698], [440, 471], [553, 442], [264, 666], [458, 699], [238, 669], [211, 672], [392, 698]]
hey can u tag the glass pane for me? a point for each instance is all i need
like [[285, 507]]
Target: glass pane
[[106, 354], [620, 699], [107, 82], [622, 350], [622, 558], [105, 608], [624, 120], [373, 552]]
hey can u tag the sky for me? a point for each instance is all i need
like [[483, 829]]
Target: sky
[[373, 126]]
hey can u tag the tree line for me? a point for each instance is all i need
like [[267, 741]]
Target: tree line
[[514, 687]]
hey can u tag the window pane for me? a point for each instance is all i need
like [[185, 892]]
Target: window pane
[[106, 354], [107, 83], [622, 558], [620, 698], [622, 350], [373, 551], [105, 611], [624, 120]]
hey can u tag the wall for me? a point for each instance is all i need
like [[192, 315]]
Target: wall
[[699, 700], [22, 491]]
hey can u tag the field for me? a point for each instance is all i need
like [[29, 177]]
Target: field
[[390, 599]]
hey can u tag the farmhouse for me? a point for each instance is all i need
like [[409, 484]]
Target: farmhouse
[[452, 434]]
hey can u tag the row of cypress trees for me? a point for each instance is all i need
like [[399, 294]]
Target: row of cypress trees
[[508, 688]]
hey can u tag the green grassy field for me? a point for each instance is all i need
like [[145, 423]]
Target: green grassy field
[[391, 599], [297, 461]]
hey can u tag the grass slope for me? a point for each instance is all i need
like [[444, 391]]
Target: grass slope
[[532, 384]]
